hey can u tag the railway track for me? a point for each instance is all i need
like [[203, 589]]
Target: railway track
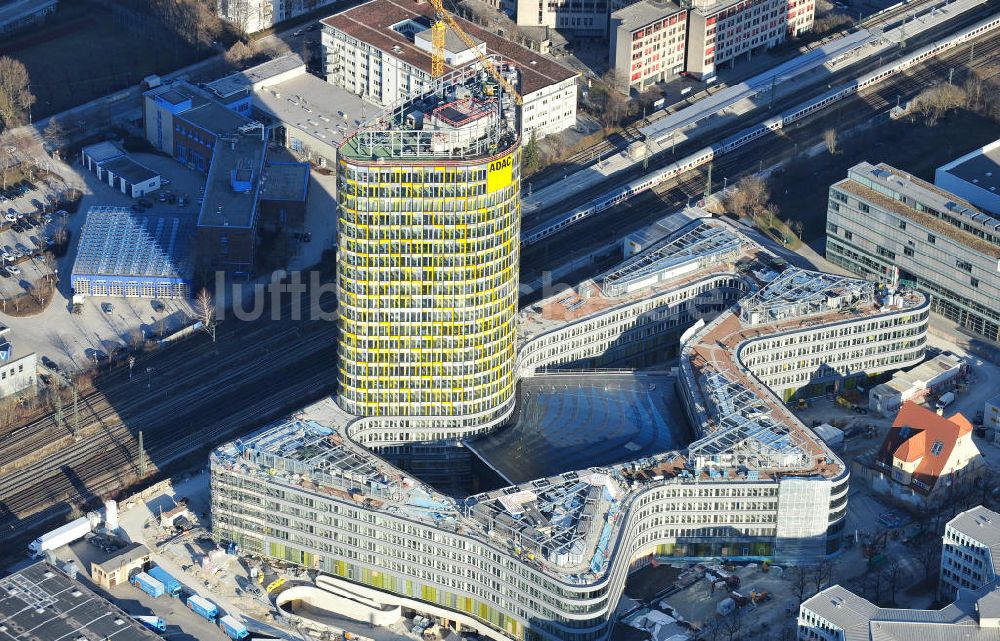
[[675, 193], [203, 392]]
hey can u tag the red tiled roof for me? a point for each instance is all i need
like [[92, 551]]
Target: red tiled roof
[[372, 22], [913, 436]]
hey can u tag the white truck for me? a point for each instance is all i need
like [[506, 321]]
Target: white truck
[[72, 531]]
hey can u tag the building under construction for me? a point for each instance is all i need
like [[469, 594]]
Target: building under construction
[[429, 219]]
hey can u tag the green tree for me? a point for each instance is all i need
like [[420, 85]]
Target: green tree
[[530, 156]]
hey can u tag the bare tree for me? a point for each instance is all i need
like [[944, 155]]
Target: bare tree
[[822, 574], [796, 227], [136, 339], [15, 95], [54, 134], [802, 578], [934, 103], [611, 100], [732, 625], [748, 197], [205, 308], [830, 138], [237, 12], [239, 54]]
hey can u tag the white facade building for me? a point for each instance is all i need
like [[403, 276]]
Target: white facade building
[[547, 560], [251, 16], [974, 177], [380, 50], [968, 577], [18, 371], [971, 552]]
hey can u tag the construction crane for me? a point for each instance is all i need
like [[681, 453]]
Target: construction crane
[[443, 20]]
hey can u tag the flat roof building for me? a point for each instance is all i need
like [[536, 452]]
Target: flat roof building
[[721, 31], [21, 14], [40, 603], [227, 220], [970, 549], [974, 177], [647, 43], [126, 254], [18, 368], [379, 50], [115, 568], [890, 226], [251, 16], [931, 377]]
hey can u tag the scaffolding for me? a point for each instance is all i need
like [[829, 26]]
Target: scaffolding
[[691, 248], [565, 521], [406, 130], [798, 293], [743, 431]]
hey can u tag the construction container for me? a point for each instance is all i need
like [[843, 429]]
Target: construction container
[[171, 585], [148, 584], [233, 628], [203, 607]]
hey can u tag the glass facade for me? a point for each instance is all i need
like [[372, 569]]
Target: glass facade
[[428, 275]]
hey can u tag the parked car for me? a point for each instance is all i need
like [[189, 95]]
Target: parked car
[[107, 308], [51, 364], [14, 269], [10, 217]]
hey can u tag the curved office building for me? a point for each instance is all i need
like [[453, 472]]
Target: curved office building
[[547, 559], [428, 238]]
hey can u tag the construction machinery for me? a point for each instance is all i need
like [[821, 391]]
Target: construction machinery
[[442, 21]]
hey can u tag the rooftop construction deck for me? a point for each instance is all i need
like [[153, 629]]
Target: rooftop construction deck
[[744, 424], [467, 115]]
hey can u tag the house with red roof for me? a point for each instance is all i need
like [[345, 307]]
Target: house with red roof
[[926, 458]]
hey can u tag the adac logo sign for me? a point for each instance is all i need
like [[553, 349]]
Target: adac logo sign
[[500, 173]]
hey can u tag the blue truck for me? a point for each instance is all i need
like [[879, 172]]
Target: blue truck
[[233, 628], [154, 623], [203, 607], [171, 585], [148, 584]]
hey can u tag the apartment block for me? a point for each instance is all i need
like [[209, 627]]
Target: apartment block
[[886, 225], [381, 50], [581, 17], [647, 43], [251, 16], [720, 32]]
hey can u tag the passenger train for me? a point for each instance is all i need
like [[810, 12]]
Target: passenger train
[[704, 156]]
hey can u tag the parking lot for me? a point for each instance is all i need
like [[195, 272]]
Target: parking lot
[[70, 340], [27, 231]]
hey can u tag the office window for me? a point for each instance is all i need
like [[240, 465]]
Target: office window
[[974, 282], [832, 227], [902, 224], [963, 265], [848, 235], [863, 207], [931, 238], [907, 251]]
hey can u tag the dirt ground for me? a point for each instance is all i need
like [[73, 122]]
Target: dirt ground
[[801, 192]]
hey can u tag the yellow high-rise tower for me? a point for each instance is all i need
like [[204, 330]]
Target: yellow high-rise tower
[[428, 239]]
